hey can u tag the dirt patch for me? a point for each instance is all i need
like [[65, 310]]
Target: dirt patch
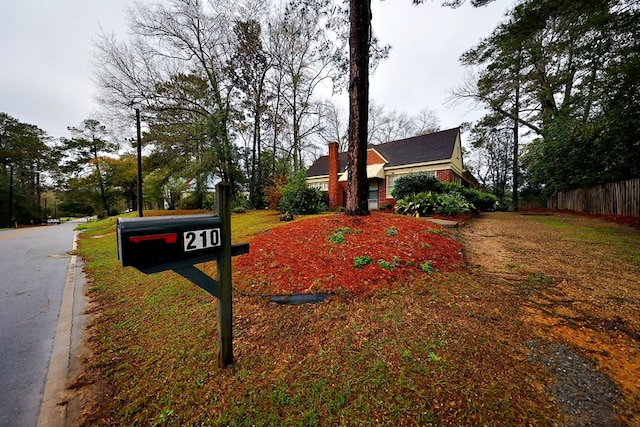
[[580, 292], [100, 236]]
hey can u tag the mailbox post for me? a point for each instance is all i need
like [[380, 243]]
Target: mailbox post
[[225, 305], [154, 244]]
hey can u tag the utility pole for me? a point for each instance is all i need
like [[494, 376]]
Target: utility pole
[[11, 196], [38, 196]]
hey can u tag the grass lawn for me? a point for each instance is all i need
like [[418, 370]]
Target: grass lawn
[[446, 348]]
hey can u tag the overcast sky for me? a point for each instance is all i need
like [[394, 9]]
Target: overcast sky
[[45, 75]]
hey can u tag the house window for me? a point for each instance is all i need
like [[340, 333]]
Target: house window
[[391, 184], [391, 181], [322, 186]]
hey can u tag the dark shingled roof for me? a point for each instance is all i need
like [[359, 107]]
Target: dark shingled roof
[[321, 165], [418, 149]]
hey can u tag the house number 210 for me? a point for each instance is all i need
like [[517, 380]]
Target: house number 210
[[201, 239]]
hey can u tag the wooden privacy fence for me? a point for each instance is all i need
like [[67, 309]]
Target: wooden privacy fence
[[614, 198]]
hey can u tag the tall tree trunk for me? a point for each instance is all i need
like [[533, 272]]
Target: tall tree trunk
[[276, 113], [359, 36], [253, 179], [516, 143], [296, 133], [255, 187]]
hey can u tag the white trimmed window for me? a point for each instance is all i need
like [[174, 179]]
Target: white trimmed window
[[322, 186], [391, 184], [391, 181]]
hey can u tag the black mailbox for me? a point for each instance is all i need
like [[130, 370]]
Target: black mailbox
[[160, 243]]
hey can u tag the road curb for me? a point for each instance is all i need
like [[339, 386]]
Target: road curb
[[53, 409]]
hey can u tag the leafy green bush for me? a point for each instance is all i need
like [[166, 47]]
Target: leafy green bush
[[504, 203], [416, 183], [481, 200], [298, 199], [424, 204], [444, 198], [421, 204], [485, 201], [193, 201], [190, 202], [241, 202], [451, 204], [302, 201]]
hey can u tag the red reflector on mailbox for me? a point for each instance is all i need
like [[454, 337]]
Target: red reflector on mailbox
[[168, 238]]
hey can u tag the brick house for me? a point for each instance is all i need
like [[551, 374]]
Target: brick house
[[439, 153]]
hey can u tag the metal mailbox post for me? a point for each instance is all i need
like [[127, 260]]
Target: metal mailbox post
[[155, 244]]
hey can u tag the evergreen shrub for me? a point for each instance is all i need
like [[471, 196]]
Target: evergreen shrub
[[481, 200], [298, 199], [416, 183]]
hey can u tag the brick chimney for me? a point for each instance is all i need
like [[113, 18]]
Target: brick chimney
[[335, 191]]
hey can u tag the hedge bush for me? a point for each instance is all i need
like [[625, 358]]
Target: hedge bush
[[298, 199], [481, 200], [302, 201], [451, 204], [416, 183], [425, 183]]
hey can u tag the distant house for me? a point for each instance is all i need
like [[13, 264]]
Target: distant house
[[438, 153]]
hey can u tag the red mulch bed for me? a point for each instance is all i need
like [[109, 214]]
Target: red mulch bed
[[300, 258]]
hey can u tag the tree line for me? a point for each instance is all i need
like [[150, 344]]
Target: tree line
[[240, 91], [43, 177], [560, 81]]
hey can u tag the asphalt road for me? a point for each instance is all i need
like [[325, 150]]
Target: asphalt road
[[33, 269]]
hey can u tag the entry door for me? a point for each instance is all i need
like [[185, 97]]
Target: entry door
[[373, 195]]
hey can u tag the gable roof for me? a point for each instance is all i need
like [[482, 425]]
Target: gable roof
[[418, 149], [374, 157]]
